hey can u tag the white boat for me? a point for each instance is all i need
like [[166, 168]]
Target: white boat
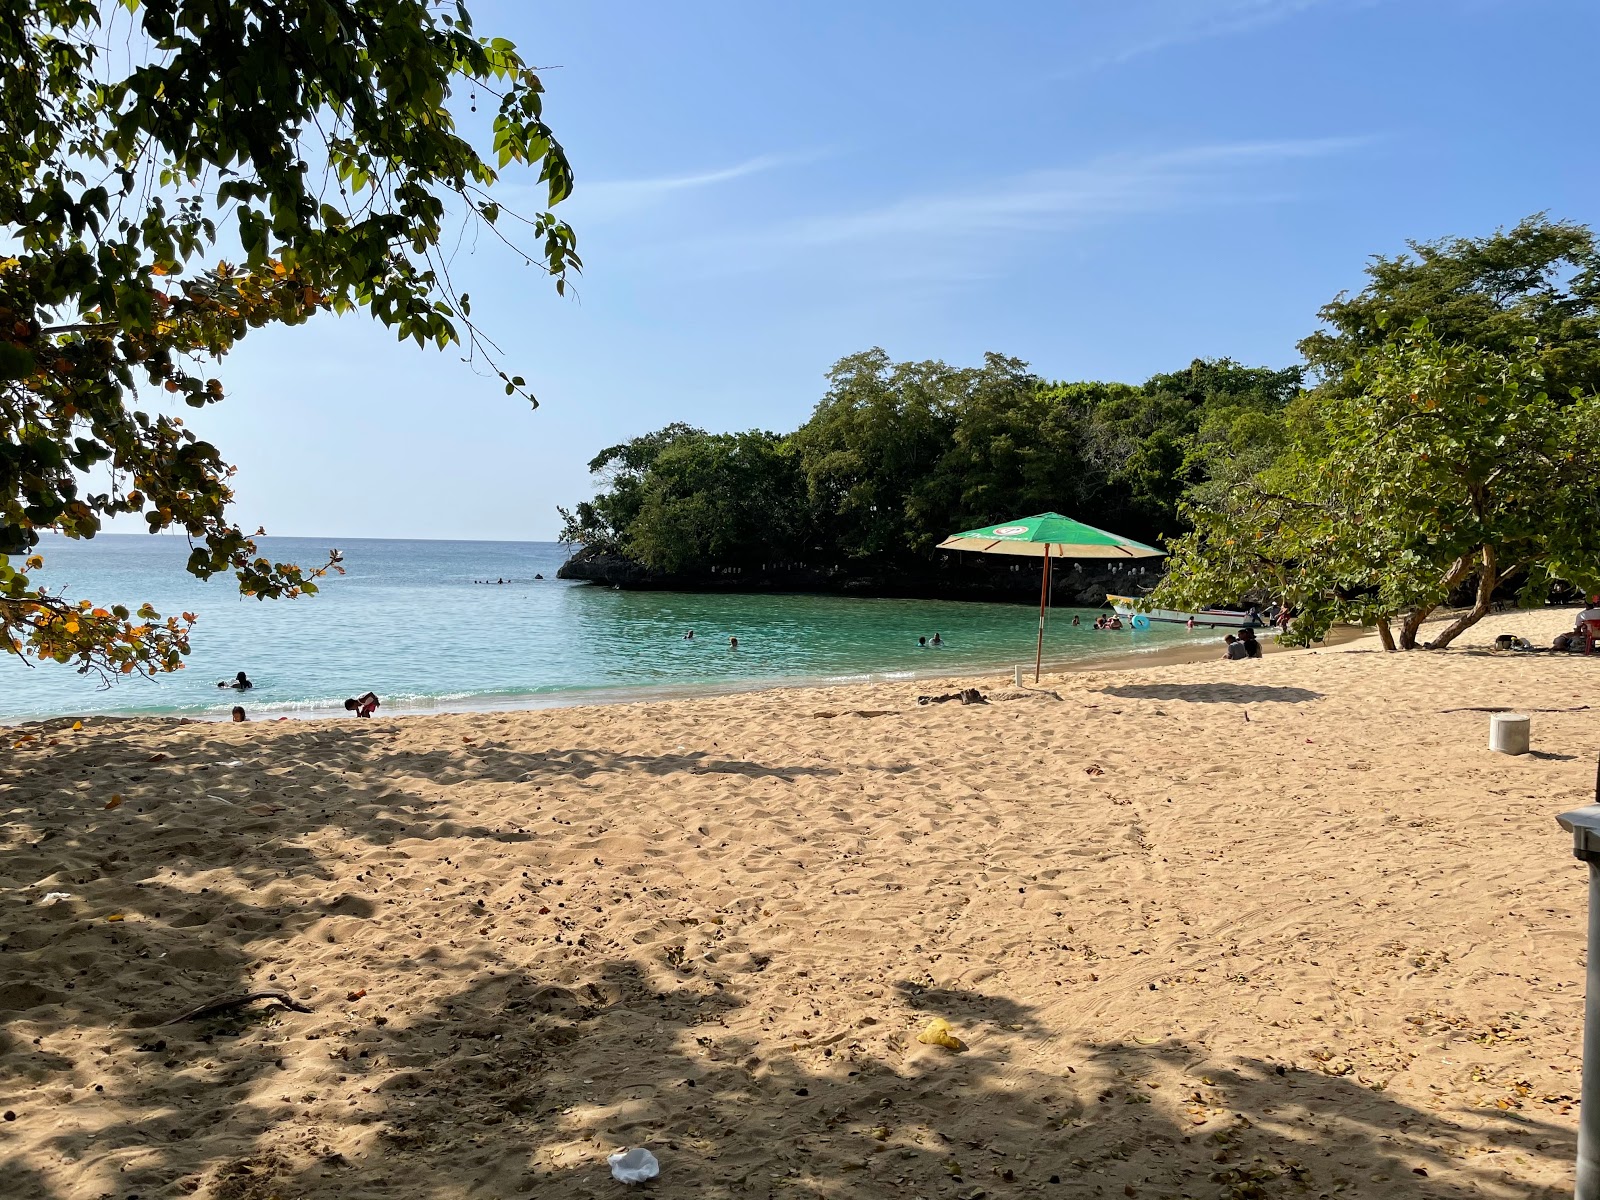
[[1127, 608]]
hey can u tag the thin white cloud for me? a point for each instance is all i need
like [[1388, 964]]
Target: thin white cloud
[[621, 197], [960, 226], [1203, 20]]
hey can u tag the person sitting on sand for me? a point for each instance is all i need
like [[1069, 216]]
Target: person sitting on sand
[[239, 683], [937, 641], [362, 706], [1235, 650], [238, 713], [1577, 638], [1247, 638]]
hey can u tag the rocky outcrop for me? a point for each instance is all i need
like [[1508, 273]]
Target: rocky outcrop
[[950, 577]]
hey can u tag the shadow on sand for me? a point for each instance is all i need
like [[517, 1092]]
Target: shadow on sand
[[1214, 693]]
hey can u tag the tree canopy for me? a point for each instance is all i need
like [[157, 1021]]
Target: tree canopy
[[1449, 443], [318, 144], [1446, 464], [896, 456]]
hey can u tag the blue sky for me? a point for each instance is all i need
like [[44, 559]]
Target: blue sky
[[1104, 190]]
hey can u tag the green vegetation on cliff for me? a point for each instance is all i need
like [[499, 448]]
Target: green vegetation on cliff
[[897, 455]]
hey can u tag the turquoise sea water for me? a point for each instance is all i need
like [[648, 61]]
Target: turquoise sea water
[[408, 622]]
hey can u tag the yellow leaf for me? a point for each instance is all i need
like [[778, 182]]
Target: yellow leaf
[[115, 917], [114, 802], [77, 727]]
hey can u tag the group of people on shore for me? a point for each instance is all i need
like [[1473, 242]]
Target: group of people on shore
[[1242, 644]]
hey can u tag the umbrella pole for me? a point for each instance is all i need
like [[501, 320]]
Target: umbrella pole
[[1044, 592]]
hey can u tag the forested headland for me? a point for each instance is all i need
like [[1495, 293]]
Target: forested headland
[[1438, 437]]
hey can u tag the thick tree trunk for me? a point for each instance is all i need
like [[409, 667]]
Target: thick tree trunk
[[1385, 634], [1413, 622], [1488, 577]]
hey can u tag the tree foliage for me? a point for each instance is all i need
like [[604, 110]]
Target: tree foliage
[[896, 456], [317, 143], [1449, 442], [1441, 464], [1537, 283]]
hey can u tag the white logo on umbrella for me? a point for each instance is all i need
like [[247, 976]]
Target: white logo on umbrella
[[1010, 530]]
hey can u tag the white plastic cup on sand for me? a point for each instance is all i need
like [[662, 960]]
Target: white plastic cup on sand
[[1017, 675], [634, 1166], [1508, 732]]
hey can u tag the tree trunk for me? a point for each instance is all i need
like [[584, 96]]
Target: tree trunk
[[1488, 577], [1385, 634], [1413, 622]]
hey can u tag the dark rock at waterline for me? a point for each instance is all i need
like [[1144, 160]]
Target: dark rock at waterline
[[949, 577]]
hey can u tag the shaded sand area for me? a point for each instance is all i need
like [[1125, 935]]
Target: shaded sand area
[[1276, 928]]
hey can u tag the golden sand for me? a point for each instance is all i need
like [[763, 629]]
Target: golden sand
[[1274, 928]]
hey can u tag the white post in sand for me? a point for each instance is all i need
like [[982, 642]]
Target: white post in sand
[[1584, 825], [1017, 675], [1508, 732]]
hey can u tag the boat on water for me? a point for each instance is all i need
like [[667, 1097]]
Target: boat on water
[[1127, 607]]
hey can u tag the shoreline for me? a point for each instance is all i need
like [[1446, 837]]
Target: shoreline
[[1118, 659]]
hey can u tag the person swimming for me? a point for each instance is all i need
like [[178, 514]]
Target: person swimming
[[733, 643], [1075, 621], [922, 642], [689, 637], [362, 706], [240, 682], [937, 641]]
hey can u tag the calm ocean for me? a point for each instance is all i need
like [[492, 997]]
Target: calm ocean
[[408, 622]]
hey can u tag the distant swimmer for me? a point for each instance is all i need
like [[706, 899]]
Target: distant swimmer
[[689, 637], [537, 576], [499, 580], [733, 643], [1075, 621], [240, 682], [238, 713], [923, 642], [937, 641], [362, 706]]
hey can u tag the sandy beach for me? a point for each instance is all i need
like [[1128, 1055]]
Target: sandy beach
[[1259, 929]]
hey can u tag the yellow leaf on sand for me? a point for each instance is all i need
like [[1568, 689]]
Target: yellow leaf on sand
[[115, 917], [77, 727], [114, 802], [938, 1034]]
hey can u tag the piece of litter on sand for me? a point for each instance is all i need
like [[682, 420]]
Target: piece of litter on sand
[[54, 897], [938, 1034], [633, 1166]]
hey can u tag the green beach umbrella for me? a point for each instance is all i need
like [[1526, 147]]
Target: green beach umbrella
[[1045, 536]]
